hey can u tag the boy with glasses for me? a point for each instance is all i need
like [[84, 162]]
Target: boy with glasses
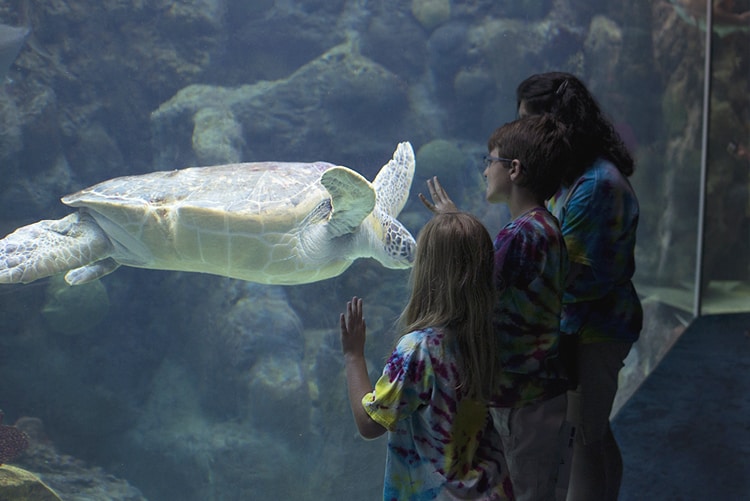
[[528, 409]]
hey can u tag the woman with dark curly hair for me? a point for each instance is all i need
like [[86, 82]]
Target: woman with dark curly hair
[[602, 316]]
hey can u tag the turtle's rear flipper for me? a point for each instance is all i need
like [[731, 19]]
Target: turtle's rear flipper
[[86, 274], [48, 247]]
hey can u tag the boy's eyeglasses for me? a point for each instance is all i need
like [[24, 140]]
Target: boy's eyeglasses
[[489, 160]]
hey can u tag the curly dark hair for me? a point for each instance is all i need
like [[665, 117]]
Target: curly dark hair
[[592, 134]]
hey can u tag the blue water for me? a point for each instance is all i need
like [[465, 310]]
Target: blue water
[[198, 387]]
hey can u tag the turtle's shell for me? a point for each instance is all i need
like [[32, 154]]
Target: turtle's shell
[[224, 218], [254, 190]]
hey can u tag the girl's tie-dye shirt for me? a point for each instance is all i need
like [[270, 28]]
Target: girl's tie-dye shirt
[[530, 270], [599, 216], [441, 445]]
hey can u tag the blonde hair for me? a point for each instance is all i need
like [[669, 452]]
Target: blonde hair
[[452, 288]]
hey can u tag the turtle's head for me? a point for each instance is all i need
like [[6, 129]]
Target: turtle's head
[[398, 245]]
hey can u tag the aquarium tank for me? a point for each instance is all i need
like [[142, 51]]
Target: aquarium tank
[[181, 385]]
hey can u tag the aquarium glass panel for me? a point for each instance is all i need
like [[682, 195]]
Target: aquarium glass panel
[[177, 336], [726, 245]]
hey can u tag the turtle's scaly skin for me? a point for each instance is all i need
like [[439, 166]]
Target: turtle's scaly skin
[[49, 247], [270, 222]]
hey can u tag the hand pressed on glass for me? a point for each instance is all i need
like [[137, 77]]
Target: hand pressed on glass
[[439, 201]]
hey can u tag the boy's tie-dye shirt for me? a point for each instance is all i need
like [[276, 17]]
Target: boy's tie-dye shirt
[[440, 444], [530, 270], [599, 216]]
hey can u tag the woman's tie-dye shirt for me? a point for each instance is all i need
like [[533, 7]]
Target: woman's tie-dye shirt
[[599, 216], [530, 270], [440, 444]]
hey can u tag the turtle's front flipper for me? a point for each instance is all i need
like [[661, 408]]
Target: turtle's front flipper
[[49, 247], [393, 182]]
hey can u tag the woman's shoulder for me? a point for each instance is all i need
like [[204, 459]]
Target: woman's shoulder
[[602, 175], [604, 170]]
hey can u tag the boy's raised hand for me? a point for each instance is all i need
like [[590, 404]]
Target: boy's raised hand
[[353, 328], [440, 202]]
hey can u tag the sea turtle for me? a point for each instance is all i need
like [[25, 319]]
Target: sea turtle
[[267, 222]]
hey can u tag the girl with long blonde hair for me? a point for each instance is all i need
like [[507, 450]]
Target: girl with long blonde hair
[[432, 397]]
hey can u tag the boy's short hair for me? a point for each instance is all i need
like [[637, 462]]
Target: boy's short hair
[[541, 144]]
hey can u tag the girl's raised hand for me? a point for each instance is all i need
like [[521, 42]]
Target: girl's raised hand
[[353, 328]]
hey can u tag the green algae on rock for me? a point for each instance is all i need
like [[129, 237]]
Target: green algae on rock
[[17, 484]]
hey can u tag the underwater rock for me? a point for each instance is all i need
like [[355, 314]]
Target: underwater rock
[[725, 251], [277, 377], [499, 44], [72, 310], [238, 10], [17, 484], [274, 39], [201, 13], [217, 137], [182, 449], [70, 477], [80, 48], [12, 39], [395, 40], [472, 84], [258, 325], [678, 55], [444, 159], [94, 152], [11, 141], [449, 51], [32, 163], [211, 461], [231, 328], [527, 9], [725, 20], [41, 126], [34, 193], [431, 13], [276, 386], [602, 50], [329, 104]]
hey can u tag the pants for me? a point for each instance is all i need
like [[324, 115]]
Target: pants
[[531, 442], [596, 470]]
